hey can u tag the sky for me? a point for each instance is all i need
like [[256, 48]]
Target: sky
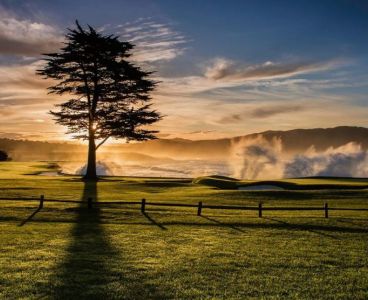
[[226, 68]]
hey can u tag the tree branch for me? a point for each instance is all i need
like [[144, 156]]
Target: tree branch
[[102, 142]]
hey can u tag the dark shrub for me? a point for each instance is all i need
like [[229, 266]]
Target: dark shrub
[[4, 156]]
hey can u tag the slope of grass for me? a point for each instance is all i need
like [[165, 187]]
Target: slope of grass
[[311, 183], [68, 252]]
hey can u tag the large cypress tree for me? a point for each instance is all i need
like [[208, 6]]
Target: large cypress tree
[[110, 95]]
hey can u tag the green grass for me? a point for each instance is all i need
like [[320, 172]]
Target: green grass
[[67, 252]]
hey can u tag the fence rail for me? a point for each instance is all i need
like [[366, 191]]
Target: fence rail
[[200, 206]]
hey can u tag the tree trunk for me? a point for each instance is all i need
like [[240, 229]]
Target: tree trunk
[[91, 163]]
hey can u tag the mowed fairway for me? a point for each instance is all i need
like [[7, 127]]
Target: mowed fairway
[[66, 251]]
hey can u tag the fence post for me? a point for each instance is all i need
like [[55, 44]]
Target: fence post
[[260, 210], [326, 210], [42, 197], [199, 212], [89, 202], [143, 205]]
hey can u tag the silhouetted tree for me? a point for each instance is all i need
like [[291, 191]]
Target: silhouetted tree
[[111, 96], [4, 156]]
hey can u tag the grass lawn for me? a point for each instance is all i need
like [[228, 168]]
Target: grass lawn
[[68, 252]]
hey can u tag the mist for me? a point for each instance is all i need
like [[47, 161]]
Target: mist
[[263, 159], [256, 158]]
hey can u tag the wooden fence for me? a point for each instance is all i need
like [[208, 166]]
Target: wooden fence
[[199, 207]]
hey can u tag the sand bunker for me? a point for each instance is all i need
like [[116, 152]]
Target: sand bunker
[[49, 173]]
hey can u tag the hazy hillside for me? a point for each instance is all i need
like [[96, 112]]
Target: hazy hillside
[[294, 141]]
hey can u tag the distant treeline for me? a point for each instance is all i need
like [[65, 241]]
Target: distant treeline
[[24, 150]]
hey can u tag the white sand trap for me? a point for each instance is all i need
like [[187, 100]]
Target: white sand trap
[[49, 173], [261, 187]]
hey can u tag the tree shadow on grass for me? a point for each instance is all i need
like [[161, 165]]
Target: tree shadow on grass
[[92, 267]]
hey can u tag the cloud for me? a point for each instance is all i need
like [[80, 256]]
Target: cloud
[[201, 132], [265, 112], [24, 103], [163, 135], [219, 69], [262, 112], [154, 41], [19, 85], [234, 118], [22, 76], [221, 74], [25, 37], [227, 70]]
